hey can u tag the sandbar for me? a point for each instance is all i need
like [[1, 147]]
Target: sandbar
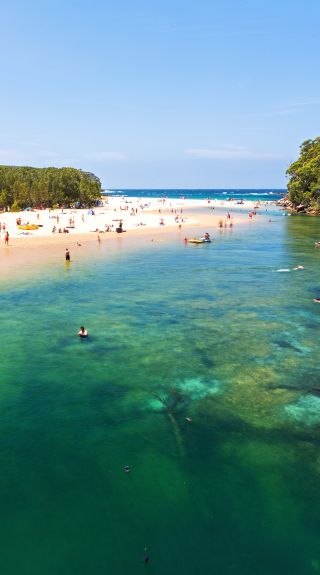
[[92, 233]]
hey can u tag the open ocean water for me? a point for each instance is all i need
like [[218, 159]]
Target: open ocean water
[[212, 333], [270, 195]]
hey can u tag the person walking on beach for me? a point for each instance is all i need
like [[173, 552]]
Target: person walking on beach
[[67, 255], [6, 238]]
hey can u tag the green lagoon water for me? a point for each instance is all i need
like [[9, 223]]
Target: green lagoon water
[[213, 333]]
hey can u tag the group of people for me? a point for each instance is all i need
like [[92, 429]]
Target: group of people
[[224, 225], [60, 230]]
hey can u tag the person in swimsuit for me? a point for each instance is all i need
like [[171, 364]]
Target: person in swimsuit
[[83, 332]]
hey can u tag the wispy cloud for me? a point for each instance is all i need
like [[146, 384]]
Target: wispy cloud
[[307, 102], [32, 154], [230, 153], [105, 156], [16, 156], [288, 109], [7, 155]]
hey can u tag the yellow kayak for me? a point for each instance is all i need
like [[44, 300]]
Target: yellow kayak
[[199, 241], [29, 227]]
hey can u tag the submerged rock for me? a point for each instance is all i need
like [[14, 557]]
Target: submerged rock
[[306, 410]]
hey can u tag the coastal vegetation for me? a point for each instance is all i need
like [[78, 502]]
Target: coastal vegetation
[[304, 178], [22, 187]]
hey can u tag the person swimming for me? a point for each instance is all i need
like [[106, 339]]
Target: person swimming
[[83, 332]]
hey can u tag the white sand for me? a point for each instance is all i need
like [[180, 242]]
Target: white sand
[[135, 213], [38, 252]]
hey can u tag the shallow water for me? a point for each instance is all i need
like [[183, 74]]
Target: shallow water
[[213, 333]]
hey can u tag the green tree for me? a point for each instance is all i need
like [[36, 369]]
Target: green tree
[[25, 186], [304, 176]]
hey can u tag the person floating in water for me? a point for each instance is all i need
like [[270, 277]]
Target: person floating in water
[[83, 332], [146, 556], [67, 255]]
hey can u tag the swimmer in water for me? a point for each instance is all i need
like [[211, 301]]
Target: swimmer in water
[[146, 557], [83, 332], [126, 469], [316, 299]]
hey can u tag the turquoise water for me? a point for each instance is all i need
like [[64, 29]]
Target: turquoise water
[[254, 195], [212, 333]]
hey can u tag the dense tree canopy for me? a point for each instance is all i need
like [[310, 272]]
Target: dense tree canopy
[[21, 187], [304, 173]]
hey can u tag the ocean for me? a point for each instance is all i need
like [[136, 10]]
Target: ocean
[[266, 195], [200, 374]]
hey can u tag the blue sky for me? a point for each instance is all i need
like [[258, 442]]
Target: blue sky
[[160, 93]]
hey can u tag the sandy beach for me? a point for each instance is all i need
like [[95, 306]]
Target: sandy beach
[[89, 233]]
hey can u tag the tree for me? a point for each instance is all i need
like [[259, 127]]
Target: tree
[[304, 174], [25, 186]]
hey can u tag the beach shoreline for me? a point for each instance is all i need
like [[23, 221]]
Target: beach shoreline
[[143, 221]]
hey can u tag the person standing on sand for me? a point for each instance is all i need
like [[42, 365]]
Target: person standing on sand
[[67, 255], [6, 238]]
